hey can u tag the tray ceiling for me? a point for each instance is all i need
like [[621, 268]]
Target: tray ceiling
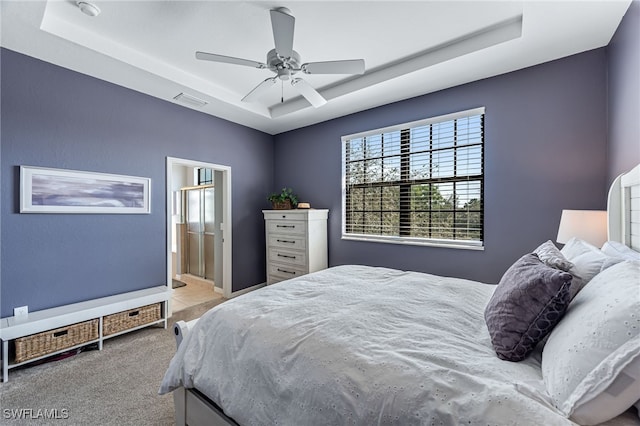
[[410, 48]]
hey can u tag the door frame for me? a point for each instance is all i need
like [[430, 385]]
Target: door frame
[[226, 218]]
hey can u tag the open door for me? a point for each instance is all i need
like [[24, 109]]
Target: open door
[[209, 234]]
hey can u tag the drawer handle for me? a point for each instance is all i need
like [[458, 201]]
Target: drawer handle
[[60, 333], [286, 241], [285, 226], [134, 313], [286, 272], [286, 256]]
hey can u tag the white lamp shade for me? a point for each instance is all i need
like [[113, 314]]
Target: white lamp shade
[[588, 225]]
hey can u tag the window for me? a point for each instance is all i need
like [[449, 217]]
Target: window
[[205, 176], [417, 183]]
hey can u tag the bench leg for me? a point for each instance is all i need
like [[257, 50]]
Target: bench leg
[[5, 360]]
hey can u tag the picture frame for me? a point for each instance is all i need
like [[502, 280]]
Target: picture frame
[[48, 190]]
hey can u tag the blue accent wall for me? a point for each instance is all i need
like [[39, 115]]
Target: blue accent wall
[[53, 117], [624, 94], [556, 135], [545, 150]]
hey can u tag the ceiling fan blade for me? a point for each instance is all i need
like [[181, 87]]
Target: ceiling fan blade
[[283, 25], [229, 60], [351, 66], [308, 92], [260, 89]]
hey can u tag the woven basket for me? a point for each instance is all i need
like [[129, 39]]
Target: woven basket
[[37, 345], [281, 205], [121, 321]]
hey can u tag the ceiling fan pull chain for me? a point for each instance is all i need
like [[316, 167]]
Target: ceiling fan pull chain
[[281, 91]]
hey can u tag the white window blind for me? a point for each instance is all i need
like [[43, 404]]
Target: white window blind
[[420, 182]]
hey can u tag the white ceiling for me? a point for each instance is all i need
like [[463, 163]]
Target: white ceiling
[[410, 47]]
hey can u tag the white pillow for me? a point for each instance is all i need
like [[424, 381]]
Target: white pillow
[[587, 261], [575, 247], [591, 361], [616, 249]]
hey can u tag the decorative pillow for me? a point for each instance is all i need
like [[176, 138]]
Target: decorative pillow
[[528, 302], [619, 250], [587, 261], [575, 247], [591, 361], [550, 255]]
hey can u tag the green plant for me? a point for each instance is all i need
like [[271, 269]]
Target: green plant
[[283, 196]]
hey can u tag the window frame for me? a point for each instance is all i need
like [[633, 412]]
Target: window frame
[[207, 179], [408, 240]]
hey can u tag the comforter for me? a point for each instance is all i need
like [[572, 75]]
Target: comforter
[[360, 345]]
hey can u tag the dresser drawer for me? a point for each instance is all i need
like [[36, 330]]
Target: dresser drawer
[[285, 272], [287, 257], [299, 215], [272, 279], [286, 227], [295, 242]]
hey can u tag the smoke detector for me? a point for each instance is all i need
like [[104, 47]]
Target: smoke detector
[[88, 8]]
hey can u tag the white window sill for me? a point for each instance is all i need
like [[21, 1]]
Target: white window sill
[[464, 245]]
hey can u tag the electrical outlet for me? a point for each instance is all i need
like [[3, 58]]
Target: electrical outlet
[[20, 311]]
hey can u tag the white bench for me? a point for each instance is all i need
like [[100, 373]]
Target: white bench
[[49, 319]]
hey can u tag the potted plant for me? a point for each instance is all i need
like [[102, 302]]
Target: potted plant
[[284, 200]]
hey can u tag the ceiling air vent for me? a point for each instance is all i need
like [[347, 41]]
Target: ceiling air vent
[[190, 100]]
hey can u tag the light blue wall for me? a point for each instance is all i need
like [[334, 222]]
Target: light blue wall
[[53, 117], [545, 150]]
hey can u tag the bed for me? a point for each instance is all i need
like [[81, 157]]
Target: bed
[[363, 345]]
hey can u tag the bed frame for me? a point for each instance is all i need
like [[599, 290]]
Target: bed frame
[[623, 208], [192, 407]]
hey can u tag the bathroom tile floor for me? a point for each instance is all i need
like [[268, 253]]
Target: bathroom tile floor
[[196, 291]]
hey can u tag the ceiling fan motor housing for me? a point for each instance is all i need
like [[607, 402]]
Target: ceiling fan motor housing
[[284, 67]]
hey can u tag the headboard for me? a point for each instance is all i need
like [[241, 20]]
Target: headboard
[[623, 209]]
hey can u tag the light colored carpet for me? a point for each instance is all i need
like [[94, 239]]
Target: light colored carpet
[[115, 386]]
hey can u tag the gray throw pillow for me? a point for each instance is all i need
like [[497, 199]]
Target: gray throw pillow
[[529, 301], [552, 256]]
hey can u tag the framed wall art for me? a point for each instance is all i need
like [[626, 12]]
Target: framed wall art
[[46, 190]]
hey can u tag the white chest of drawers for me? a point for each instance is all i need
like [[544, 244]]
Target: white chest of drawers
[[296, 242]]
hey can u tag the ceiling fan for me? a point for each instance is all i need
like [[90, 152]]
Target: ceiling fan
[[285, 62]]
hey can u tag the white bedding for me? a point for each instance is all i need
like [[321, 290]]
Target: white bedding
[[359, 345]]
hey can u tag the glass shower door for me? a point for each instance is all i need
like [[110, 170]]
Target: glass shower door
[[194, 232], [208, 232], [200, 232]]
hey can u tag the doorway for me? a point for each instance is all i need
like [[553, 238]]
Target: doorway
[[198, 232]]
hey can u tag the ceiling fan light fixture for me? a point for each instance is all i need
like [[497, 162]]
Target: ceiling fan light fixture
[[87, 8], [284, 74]]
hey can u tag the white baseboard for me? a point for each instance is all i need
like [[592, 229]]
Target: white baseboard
[[218, 290], [247, 290]]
